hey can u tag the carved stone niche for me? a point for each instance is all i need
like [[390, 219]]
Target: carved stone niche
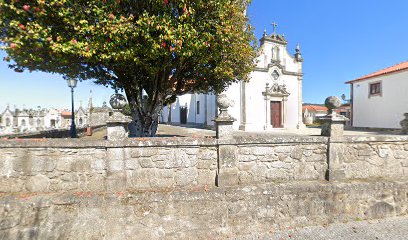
[[277, 91]]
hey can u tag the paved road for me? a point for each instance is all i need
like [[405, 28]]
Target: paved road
[[386, 229]]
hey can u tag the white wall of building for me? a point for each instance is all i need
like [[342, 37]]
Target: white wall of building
[[204, 114], [212, 109], [52, 115], [252, 109], [23, 122], [386, 110], [234, 93], [7, 115]]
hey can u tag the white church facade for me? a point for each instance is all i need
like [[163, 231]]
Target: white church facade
[[272, 99]]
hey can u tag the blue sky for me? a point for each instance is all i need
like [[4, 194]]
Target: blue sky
[[340, 41]]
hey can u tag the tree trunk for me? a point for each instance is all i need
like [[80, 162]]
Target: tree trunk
[[145, 113], [144, 125]]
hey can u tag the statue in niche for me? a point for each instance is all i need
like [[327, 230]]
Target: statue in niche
[[275, 53]]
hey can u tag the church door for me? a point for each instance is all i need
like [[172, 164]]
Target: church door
[[276, 114], [183, 115]]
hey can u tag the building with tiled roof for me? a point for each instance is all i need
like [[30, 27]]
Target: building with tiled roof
[[311, 112], [27, 120], [379, 99]]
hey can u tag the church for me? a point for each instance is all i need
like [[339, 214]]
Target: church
[[272, 99]]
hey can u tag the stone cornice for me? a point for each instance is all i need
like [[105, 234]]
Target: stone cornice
[[280, 39], [283, 71]]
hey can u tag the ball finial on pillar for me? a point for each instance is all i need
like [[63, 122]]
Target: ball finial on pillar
[[117, 124], [333, 124]]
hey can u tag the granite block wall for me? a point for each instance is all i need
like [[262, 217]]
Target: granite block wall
[[72, 165], [57, 165], [214, 213], [380, 157]]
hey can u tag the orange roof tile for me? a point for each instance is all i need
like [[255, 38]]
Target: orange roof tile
[[314, 108], [65, 113], [392, 69]]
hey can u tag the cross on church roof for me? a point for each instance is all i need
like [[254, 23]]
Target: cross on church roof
[[274, 24]]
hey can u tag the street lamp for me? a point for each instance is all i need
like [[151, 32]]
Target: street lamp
[[72, 84]]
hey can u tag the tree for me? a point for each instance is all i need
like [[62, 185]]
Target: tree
[[162, 48]]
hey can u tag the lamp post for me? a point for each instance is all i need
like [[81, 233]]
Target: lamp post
[[72, 84]]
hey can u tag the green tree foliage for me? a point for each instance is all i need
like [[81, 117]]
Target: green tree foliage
[[126, 110], [162, 47]]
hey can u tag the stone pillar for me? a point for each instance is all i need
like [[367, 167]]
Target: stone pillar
[[333, 127], [404, 124], [333, 124], [117, 124], [300, 124], [335, 156], [227, 173]]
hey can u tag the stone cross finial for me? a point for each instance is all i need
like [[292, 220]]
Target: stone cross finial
[[274, 24]]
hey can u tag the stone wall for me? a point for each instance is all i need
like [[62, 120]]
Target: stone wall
[[201, 213], [274, 160], [76, 165], [380, 157], [38, 165], [176, 188]]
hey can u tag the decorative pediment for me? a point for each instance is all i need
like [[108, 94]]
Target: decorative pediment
[[275, 63], [276, 91]]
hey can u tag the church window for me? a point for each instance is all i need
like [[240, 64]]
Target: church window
[[8, 122], [375, 88], [23, 122], [198, 107], [80, 121], [38, 122]]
